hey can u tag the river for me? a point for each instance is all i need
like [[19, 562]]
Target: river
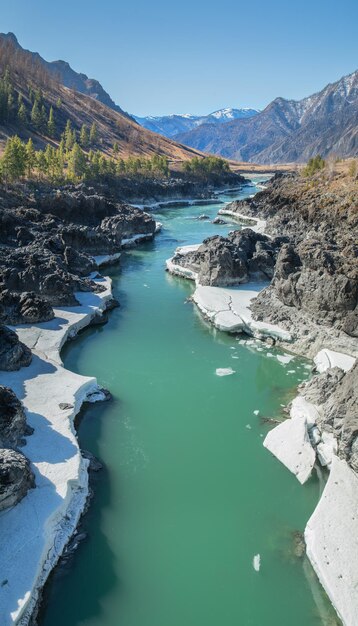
[[188, 494]]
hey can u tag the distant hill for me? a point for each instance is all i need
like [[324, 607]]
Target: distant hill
[[172, 125], [288, 130], [82, 101]]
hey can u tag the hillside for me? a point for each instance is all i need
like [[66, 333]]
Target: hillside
[[31, 80], [289, 130], [63, 73], [173, 125]]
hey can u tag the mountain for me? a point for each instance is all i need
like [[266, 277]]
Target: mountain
[[84, 102], [172, 125], [288, 130], [62, 72]]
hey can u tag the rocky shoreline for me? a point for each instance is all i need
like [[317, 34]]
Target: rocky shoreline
[[51, 244], [306, 302]]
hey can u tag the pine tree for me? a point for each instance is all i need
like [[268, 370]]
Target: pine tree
[[11, 112], [77, 164], [93, 134], [68, 136], [36, 116], [84, 136], [13, 162], [21, 112], [43, 121], [115, 148], [51, 126], [41, 162], [30, 157], [58, 103]]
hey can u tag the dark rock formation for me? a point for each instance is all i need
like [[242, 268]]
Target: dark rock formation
[[315, 283], [23, 308], [48, 239], [243, 255], [13, 425], [336, 394], [16, 477], [13, 353]]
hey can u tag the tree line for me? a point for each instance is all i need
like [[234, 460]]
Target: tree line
[[206, 167], [70, 162]]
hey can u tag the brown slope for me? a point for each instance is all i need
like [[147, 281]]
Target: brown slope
[[113, 127], [28, 69]]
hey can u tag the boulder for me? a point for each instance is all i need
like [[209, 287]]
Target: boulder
[[13, 353], [16, 477]]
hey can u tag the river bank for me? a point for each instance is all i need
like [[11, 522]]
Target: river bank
[[197, 225], [322, 425], [182, 494], [46, 393]]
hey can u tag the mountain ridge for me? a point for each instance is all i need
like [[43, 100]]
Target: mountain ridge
[[29, 73], [289, 130], [62, 71], [171, 125]]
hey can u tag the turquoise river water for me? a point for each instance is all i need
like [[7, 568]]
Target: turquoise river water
[[188, 494]]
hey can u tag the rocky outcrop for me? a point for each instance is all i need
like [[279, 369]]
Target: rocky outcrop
[[241, 256], [24, 308], [13, 425], [13, 353], [314, 290], [48, 241], [16, 477], [335, 393]]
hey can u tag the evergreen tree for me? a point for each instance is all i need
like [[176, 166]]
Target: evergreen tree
[[21, 113], [51, 126], [93, 134], [54, 162], [36, 116], [10, 106], [14, 160], [58, 103], [68, 136], [84, 136], [115, 148], [41, 162], [30, 157], [43, 119], [77, 164]]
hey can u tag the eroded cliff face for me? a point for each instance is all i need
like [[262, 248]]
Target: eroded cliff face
[[241, 256], [314, 290], [48, 241], [335, 393], [16, 476], [13, 353]]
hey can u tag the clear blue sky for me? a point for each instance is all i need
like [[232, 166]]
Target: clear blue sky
[[157, 57]]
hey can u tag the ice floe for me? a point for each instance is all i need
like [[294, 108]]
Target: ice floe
[[228, 308], [256, 562], [224, 371], [332, 540], [35, 531], [325, 359]]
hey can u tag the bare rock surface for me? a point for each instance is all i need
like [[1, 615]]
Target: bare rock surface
[[241, 256], [48, 238], [16, 477], [13, 353], [12, 419]]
